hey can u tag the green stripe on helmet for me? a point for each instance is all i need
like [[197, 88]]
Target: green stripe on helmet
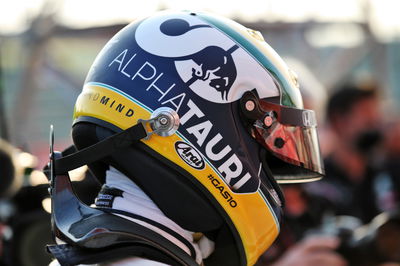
[[285, 87]]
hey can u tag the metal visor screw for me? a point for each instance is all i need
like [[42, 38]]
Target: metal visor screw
[[250, 105], [163, 120], [268, 121]]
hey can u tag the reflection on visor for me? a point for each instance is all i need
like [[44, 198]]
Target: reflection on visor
[[289, 134], [294, 145]]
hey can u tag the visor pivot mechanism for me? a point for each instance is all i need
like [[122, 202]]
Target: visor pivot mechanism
[[250, 105], [269, 119], [164, 122]]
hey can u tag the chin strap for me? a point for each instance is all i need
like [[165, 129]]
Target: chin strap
[[102, 148], [164, 122]]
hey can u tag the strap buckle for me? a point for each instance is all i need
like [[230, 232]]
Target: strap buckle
[[164, 122]]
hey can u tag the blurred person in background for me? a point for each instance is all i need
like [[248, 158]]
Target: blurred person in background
[[392, 159], [361, 181], [25, 205], [24, 222], [358, 182]]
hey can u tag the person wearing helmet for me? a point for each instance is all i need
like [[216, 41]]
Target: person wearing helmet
[[189, 120]]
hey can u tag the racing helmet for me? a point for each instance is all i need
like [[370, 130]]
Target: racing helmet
[[232, 119]]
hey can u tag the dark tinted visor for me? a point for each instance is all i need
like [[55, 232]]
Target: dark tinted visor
[[289, 134]]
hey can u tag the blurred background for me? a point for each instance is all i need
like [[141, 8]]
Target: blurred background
[[47, 47]]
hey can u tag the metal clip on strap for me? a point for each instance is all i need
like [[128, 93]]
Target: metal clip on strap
[[104, 148], [164, 122]]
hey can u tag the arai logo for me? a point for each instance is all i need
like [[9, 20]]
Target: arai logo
[[191, 156]]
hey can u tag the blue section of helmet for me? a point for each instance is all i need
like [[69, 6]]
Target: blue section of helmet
[[286, 89], [154, 81]]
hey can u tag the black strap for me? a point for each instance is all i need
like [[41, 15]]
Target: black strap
[[101, 149]]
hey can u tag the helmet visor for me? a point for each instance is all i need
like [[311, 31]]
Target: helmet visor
[[289, 134]]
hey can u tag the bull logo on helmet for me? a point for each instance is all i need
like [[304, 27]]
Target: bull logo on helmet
[[206, 68], [216, 66]]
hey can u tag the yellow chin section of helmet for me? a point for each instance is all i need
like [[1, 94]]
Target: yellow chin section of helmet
[[250, 213]]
